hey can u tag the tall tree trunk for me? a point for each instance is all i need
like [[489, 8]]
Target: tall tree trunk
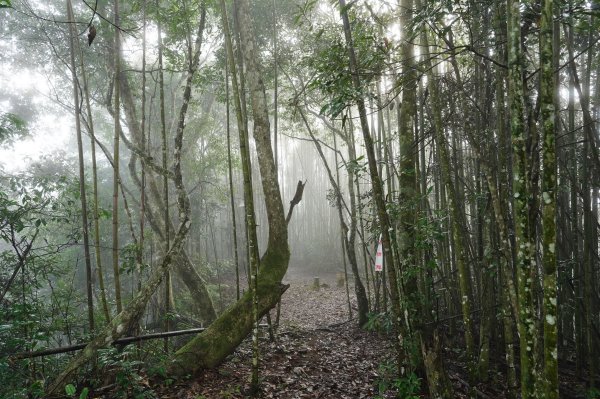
[[547, 99], [377, 185], [140, 250], [362, 296], [164, 149], [525, 247], [225, 334], [574, 213], [247, 45], [459, 237], [276, 83], [117, 121], [98, 249], [231, 192], [184, 267], [82, 193]]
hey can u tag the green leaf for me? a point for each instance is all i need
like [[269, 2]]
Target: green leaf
[[70, 389], [5, 4], [12, 127], [84, 393]]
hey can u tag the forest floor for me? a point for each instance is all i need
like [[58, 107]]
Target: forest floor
[[319, 353]]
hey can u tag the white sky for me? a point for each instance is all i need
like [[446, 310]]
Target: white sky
[[53, 127], [50, 130]]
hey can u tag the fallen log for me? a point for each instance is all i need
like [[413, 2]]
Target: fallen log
[[121, 341]]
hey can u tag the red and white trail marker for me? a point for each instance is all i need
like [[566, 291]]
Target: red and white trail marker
[[379, 257]]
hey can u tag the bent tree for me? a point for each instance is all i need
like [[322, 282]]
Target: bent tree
[[210, 348]]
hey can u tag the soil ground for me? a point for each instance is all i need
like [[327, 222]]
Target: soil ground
[[319, 353]]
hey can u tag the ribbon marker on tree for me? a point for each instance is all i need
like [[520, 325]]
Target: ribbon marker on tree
[[379, 257]]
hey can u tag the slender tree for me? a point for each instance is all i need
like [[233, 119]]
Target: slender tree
[[231, 192], [82, 193], [549, 192], [116, 177], [164, 150], [521, 176], [378, 195]]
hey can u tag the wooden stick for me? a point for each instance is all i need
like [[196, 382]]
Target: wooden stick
[[122, 341]]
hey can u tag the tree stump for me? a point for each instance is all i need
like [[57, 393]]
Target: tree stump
[[341, 280], [316, 285]]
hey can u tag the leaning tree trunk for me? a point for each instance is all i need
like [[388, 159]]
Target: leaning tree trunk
[[222, 337]]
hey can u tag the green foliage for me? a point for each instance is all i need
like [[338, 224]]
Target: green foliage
[[592, 393], [330, 64], [407, 387], [12, 127], [39, 304], [5, 4], [71, 391], [357, 166], [429, 229], [380, 322], [123, 363], [128, 258]]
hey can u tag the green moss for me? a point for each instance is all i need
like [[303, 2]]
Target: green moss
[[211, 347]]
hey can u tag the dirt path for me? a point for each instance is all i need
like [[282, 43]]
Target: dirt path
[[318, 354]]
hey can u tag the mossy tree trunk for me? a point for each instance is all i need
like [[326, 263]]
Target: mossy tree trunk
[[525, 247], [247, 50], [408, 201], [547, 98], [222, 337]]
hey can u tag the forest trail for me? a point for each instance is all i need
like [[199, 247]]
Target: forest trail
[[318, 353]]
